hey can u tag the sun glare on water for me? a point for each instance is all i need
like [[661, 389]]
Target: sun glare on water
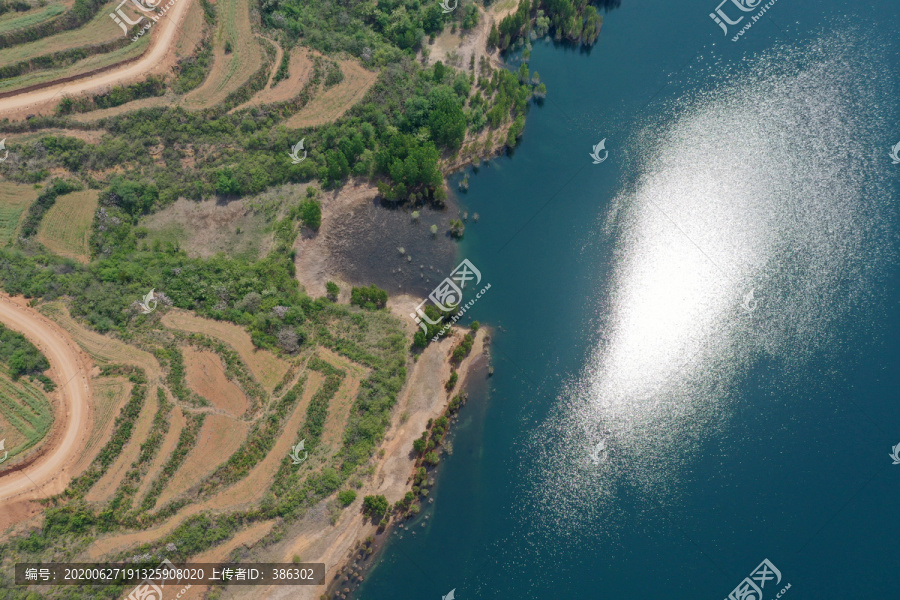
[[756, 221]]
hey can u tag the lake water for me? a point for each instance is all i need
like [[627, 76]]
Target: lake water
[[697, 341]]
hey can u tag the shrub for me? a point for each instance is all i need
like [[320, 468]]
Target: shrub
[[451, 383], [371, 298], [346, 497], [332, 291]]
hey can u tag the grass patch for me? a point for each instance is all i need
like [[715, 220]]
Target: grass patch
[[65, 229], [14, 199]]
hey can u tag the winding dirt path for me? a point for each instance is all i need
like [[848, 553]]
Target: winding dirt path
[[163, 31], [69, 369]]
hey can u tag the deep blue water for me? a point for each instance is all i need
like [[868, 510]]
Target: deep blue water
[[619, 297]]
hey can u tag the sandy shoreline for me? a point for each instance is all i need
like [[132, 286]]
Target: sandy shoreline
[[423, 397]]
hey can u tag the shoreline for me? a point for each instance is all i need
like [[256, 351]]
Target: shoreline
[[337, 545]]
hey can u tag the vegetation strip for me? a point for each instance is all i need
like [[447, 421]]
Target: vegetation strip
[[186, 442], [124, 425]]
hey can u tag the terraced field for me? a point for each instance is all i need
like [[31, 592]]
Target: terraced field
[[230, 68], [330, 104], [268, 368], [99, 30], [27, 412], [12, 21]]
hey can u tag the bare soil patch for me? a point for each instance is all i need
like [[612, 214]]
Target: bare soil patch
[[252, 487], [266, 366], [242, 494], [219, 437], [206, 376], [330, 104], [18, 513]]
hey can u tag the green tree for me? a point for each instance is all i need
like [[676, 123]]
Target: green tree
[[375, 506]]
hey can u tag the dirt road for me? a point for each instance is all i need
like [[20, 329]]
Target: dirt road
[[163, 32], [50, 473]]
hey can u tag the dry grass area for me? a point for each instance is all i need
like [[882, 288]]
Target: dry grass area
[[66, 227], [105, 488], [176, 424], [229, 71], [110, 394], [208, 227], [205, 375], [299, 72], [14, 199], [265, 366], [330, 104], [219, 437]]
